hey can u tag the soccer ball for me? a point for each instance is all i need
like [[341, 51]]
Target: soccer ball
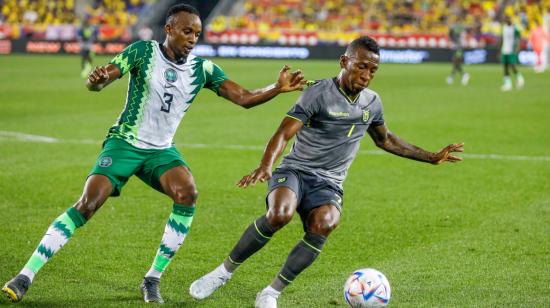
[[367, 287]]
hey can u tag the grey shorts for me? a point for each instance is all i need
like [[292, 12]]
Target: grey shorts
[[311, 190]]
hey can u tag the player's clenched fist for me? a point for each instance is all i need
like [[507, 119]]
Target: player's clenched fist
[[98, 75]]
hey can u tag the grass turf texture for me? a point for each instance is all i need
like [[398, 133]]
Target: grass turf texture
[[473, 234]]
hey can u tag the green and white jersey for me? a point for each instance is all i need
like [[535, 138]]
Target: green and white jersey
[[510, 39], [159, 93]]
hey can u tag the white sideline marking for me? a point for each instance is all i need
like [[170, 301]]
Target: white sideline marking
[[27, 137], [17, 136]]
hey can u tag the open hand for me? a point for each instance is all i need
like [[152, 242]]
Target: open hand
[[445, 154], [290, 81], [261, 174]]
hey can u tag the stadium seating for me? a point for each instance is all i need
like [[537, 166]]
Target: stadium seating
[[58, 20], [397, 23]]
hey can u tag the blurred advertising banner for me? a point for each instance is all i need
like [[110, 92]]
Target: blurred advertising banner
[[57, 47], [387, 55]]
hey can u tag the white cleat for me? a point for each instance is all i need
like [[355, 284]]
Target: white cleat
[[265, 300], [520, 82], [449, 80], [465, 79], [207, 284], [506, 87]]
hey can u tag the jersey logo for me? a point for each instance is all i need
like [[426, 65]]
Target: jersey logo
[[170, 75], [339, 114], [281, 180], [105, 161], [366, 114]]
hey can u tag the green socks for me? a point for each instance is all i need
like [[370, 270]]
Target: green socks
[[57, 235], [175, 231]]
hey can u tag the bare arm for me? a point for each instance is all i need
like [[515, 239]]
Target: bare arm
[[287, 82], [102, 76], [389, 142], [288, 128]]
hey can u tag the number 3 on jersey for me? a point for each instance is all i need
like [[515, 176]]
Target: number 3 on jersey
[[167, 102]]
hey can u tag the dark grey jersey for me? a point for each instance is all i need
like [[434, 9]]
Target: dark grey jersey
[[333, 128]]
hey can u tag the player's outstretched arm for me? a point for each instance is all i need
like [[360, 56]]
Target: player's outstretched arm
[[287, 82], [389, 142], [275, 147], [102, 76]]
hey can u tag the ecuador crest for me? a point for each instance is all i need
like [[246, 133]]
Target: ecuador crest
[[366, 114]]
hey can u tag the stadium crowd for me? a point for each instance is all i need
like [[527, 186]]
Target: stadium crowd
[[341, 20], [283, 21], [59, 20]]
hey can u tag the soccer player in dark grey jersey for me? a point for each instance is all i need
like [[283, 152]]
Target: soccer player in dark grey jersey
[[457, 33], [329, 121], [164, 80]]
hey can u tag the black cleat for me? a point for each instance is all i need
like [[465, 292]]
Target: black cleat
[[16, 288], [150, 290]]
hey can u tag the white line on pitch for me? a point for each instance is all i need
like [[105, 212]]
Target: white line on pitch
[[17, 136]]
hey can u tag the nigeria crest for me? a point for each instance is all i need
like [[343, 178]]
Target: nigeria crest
[[105, 161], [170, 75]]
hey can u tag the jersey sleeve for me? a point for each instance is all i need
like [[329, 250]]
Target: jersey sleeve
[[131, 57], [377, 112], [306, 106], [214, 76]]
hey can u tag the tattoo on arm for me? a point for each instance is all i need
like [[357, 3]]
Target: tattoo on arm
[[389, 142], [401, 148]]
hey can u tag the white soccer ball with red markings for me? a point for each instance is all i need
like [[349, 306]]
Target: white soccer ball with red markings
[[367, 287]]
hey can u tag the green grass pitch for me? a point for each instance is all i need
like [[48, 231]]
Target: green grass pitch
[[472, 234]]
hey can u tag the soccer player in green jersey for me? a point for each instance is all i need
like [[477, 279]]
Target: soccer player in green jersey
[[164, 80], [509, 50], [328, 120]]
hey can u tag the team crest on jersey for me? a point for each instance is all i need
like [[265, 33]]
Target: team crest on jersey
[[105, 161], [366, 114], [170, 75], [281, 180], [338, 199]]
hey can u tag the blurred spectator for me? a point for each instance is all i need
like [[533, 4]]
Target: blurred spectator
[[539, 41], [57, 20], [336, 20]]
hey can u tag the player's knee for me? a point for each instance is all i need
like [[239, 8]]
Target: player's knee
[[322, 227], [186, 195], [279, 216], [323, 224]]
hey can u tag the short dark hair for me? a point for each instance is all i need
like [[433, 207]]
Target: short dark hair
[[365, 42], [181, 8]]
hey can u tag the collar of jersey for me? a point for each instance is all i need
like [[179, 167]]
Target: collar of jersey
[[174, 64], [348, 99]]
